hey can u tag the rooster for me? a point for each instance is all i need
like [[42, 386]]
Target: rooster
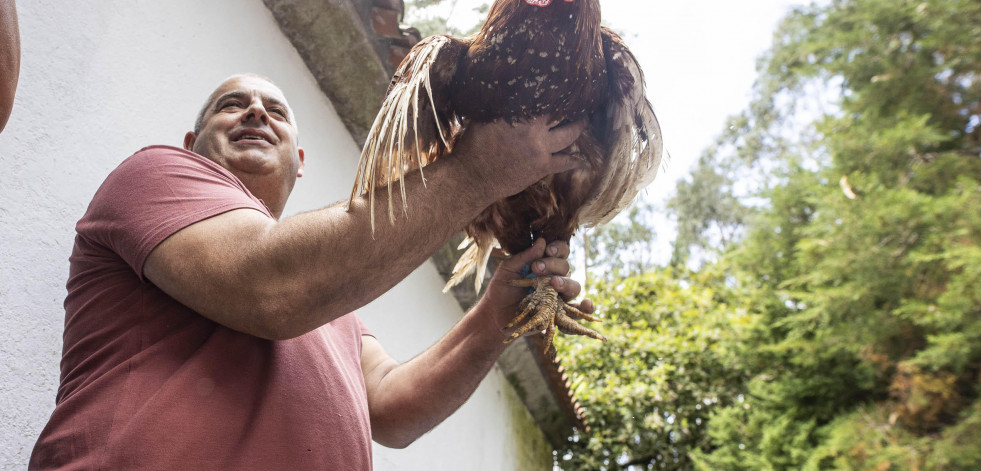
[[530, 58]]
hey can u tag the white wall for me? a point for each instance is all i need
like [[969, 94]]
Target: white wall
[[100, 80]]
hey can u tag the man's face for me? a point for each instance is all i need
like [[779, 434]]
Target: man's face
[[249, 129]]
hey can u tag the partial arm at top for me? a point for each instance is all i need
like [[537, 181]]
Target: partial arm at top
[[9, 58]]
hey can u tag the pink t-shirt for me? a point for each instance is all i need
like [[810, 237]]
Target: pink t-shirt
[[147, 383]]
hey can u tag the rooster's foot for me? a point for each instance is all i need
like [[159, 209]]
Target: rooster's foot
[[544, 310]]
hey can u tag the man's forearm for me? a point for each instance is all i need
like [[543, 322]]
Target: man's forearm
[[351, 264], [408, 400], [412, 398]]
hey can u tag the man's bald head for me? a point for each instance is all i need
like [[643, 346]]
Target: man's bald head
[[199, 122]]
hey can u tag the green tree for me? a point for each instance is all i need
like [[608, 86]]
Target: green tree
[[868, 348], [435, 16], [620, 249], [669, 362], [846, 251], [708, 213]]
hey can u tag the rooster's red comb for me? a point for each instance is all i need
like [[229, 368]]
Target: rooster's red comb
[[541, 3]]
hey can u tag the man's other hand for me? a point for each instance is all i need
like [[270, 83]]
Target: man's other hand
[[502, 299]]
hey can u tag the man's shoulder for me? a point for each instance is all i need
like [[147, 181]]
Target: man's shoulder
[[164, 161], [157, 171], [157, 154]]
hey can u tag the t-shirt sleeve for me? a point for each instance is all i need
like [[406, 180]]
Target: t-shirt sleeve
[[364, 328], [155, 193]]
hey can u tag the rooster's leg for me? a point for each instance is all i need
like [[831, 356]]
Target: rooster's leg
[[543, 310]]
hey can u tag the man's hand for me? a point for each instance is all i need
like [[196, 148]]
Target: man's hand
[[501, 299], [508, 158]]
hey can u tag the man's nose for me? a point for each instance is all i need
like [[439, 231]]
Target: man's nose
[[256, 112]]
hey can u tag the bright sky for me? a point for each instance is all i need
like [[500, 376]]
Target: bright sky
[[699, 59]]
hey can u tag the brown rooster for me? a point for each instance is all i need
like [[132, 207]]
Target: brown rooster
[[531, 58]]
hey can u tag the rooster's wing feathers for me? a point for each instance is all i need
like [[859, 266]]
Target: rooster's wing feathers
[[633, 135]]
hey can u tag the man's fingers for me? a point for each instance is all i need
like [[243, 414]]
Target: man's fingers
[[519, 260], [558, 249], [551, 266], [556, 262], [561, 137], [586, 306], [567, 287]]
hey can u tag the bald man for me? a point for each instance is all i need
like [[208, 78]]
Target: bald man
[[203, 331]]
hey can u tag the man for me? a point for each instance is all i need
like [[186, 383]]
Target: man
[[202, 332], [9, 58]]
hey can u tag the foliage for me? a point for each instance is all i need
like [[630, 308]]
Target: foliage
[[837, 317], [435, 16], [874, 351], [668, 364], [708, 212], [622, 248]]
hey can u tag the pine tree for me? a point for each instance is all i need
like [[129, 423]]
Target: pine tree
[[836, 319]]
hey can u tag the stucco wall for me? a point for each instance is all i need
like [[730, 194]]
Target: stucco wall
[[101, 79]]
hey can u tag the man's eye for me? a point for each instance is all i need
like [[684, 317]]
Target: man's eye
[[230, 104], [278, 111]]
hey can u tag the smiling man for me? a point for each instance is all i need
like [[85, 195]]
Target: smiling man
[[204, 332]]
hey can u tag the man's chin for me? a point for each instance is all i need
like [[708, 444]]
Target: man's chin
[[254, 162]]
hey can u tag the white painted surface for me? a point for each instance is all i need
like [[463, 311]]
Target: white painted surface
[[100, 80]]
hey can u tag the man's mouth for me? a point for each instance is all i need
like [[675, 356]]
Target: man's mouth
[[251, 135]]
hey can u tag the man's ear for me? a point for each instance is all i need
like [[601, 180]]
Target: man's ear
[[299, 171], [190, 137]]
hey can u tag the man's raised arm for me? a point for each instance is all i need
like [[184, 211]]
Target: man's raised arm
[[282, 279]]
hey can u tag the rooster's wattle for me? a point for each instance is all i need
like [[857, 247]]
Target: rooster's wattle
[[531, 58]]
